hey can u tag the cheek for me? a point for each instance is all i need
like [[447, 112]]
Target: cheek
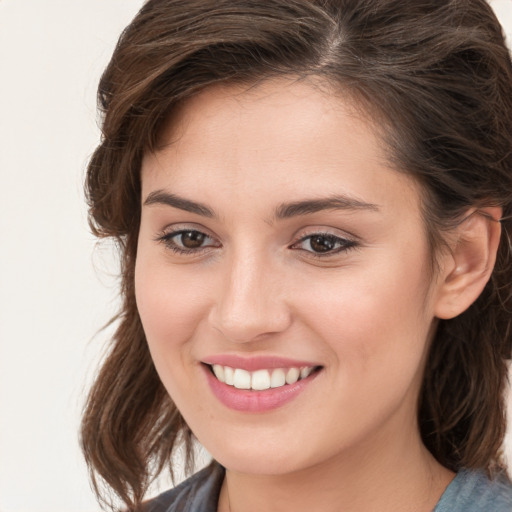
[[373, 320], [169, 302], [171, 305]]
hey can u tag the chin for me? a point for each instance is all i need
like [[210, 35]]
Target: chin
[[260, 457], [259, 464]]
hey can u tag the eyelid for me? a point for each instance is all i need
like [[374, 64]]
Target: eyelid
[[324, 230], [347, 241], [184, 226], [167, 234]]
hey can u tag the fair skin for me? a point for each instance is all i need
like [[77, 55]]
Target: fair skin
[[229, 264]]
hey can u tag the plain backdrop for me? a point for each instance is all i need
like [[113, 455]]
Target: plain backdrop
[[56, 288]]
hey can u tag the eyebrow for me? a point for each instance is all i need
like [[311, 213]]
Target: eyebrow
[[165, 198], [336, 202], [283, 211]]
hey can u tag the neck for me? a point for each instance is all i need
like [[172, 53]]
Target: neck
[[387, 475]]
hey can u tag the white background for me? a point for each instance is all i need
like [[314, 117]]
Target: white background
[[56, 289]]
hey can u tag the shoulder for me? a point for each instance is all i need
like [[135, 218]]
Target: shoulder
[[473, 491], [199, 493]]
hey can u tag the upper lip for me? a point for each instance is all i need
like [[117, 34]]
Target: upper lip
[[254, 363]]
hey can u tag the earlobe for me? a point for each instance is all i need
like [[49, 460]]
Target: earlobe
[[469, 263]]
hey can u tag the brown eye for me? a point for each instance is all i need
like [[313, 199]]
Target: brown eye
[[192, 239], [322, 243], [188, 241]]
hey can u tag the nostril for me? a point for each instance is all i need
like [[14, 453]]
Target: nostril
[[253, 325]]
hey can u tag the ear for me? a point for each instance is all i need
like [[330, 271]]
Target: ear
[[468, 265]]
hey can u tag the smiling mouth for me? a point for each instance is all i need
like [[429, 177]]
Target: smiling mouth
[[261, 380]]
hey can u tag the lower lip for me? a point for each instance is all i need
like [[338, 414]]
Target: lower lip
[[255, 401]]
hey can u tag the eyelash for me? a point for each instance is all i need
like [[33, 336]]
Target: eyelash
[[168, 240], [344, 244]]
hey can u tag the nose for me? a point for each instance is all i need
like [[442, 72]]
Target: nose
[[250, 303]]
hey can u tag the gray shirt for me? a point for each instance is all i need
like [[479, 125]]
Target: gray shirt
[[470, 491]]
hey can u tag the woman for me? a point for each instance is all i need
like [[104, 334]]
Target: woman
[[312, 201]]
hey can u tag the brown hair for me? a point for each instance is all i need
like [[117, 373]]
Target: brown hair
[[440, 77]]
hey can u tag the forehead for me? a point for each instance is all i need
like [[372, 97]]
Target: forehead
[[293, 137], [277, 111]]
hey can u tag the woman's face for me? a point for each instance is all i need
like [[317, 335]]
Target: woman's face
[[275, 239]]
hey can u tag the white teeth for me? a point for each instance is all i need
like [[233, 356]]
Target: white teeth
[[229, 374], [292, 375], [278, 378], [305, 372], [261, 379], [218, 370], [242, 379]]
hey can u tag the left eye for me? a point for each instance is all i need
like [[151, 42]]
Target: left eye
[[323, 243]]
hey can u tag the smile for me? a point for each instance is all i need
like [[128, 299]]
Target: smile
[[257, 385], [260, 380]]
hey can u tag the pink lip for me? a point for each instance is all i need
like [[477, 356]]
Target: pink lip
[[257, 362], [255, 401]]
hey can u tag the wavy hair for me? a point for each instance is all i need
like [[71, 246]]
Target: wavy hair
[[437, 74]]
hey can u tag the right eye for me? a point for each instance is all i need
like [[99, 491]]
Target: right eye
[[187, 241]]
